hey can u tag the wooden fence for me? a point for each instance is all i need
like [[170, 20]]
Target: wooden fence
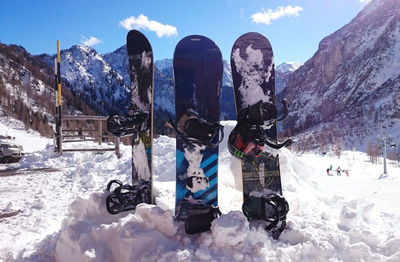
[[80, 135]]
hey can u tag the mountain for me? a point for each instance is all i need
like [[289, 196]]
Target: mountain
[[351, 85], [165, 67], [97, 83], [287, 67], [27, 90], [102, 81], [347, 91], [282, 73]]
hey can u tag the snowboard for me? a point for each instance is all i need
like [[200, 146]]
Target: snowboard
[[138, 124], [253, 76], [197, 65]]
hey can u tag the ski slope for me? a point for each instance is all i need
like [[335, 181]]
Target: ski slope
[[56, 211]]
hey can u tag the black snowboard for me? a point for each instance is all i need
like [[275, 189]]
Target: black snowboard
[[253, 76], [138, 124], [198, 76]]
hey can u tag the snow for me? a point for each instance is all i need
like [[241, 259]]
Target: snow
[[59, 214], [288, 67]]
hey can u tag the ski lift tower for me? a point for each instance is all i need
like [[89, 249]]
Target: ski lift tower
[[385, 138]]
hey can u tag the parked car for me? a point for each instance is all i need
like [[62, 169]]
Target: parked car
[[10, 152]]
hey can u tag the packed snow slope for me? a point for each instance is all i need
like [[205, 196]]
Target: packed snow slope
[[53, 209]]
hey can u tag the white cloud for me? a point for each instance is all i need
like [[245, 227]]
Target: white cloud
[[266, 17], [365, 1], [91, 41], [143, 22]]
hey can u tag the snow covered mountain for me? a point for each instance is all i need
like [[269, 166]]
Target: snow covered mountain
[[347, 89], [287, 67], [103, 82], [27, 90], [351, 84], [93, 79], [165, 67], [282, 73]]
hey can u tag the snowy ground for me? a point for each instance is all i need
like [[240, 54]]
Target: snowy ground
[[58, 214]]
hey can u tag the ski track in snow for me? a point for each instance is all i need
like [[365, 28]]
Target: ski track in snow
[[63, 217]]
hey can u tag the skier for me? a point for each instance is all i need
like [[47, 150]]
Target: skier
[[327, 171], [338, 171]]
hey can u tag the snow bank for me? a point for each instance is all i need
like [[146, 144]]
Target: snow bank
[[150, 234], [90, 233], [63, 218], [322, 226]]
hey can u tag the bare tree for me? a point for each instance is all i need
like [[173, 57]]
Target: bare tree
[[373, 151], [338, 148]]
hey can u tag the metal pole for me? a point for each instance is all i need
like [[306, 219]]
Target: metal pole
[[56, 106], [55, 85], [384, 155], [59, 95]]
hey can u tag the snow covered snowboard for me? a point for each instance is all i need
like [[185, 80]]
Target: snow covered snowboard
[[138, 124], [253, 76], [198, 76]]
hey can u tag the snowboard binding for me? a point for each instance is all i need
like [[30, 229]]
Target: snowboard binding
[[194, 129], [248, 138], [269, 211], [197, 216], [132, 124], [126, 197]]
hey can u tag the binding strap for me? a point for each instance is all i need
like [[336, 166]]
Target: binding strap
[[271, 209], [197, 130]]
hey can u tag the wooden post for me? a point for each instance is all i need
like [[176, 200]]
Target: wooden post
[[100, 131], [117, 150], [60, 149]]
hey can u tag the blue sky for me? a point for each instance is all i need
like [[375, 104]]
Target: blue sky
[[294, 27]]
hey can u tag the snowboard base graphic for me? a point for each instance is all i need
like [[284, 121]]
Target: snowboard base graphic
[[198, 75]]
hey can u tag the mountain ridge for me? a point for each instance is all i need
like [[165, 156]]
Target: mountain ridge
[[352, 80], [350, 83]]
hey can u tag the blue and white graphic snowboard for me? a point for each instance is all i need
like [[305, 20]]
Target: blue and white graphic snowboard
[[198, 76]]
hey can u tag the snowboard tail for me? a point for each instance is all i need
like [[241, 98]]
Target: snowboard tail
[[198, 77]]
